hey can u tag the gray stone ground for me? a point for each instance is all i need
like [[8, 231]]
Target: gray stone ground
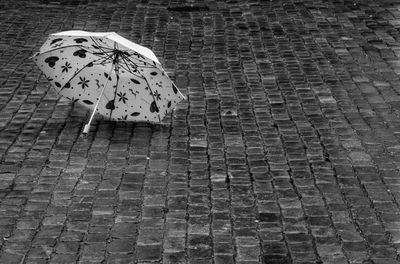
[[286, 151]]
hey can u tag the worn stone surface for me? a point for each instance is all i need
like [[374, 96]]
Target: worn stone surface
[[286, 150]]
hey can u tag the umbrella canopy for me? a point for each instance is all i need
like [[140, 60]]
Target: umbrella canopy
[[109, 74]]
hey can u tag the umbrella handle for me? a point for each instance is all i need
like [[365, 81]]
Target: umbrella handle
[[87, 126], [86, 129]]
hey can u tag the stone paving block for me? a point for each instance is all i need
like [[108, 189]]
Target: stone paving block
[[122, 245], [175, 257], [70, 247], [63, 258], [11, 257], [174, 244], [149, 253], [150, 237]]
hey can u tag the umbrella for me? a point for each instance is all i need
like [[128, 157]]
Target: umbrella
[[108, 74]]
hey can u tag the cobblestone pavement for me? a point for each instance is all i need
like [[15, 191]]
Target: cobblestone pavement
[[286, 151]]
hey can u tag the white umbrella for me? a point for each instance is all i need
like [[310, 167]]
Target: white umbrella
[[108, 74]]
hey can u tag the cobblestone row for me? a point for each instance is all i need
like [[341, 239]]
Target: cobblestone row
[[286, 150]]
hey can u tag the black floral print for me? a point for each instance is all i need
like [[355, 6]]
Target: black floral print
[[66, 67], [157, 95], [122, 97], [83, 82]]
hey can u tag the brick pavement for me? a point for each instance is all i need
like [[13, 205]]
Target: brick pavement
[[286, 151]]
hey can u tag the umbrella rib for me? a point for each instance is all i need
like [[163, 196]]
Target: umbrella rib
[[141, 76], [115, 59], [145, 62], [144, 78], [102, 48], [106, 57], [145, 81], [115, 92], [77, 72], [63, 47], [106, 54], [89, 49], [143, 59], [129, 69], [152, 94]]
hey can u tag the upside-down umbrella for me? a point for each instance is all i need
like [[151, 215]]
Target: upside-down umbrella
[[109, 74]]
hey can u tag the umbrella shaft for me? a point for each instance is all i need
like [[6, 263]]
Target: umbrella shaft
[[101, 94]]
